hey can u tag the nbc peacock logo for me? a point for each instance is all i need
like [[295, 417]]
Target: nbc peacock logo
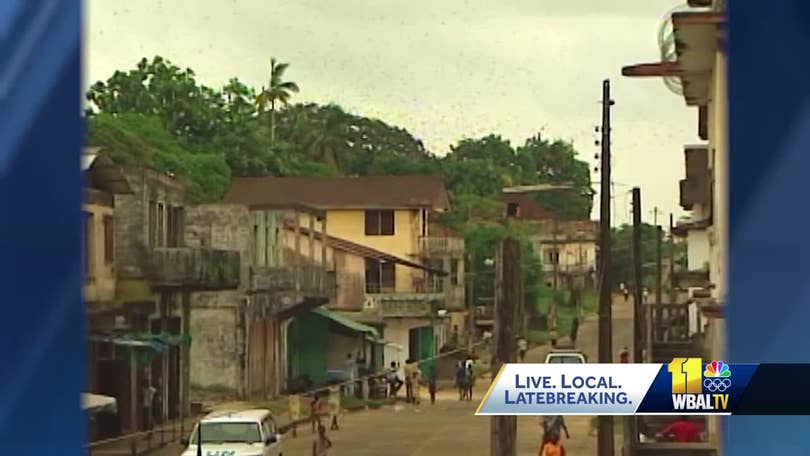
[[717, 377]]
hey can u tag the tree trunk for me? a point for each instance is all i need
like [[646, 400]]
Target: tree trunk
[[272, 124]]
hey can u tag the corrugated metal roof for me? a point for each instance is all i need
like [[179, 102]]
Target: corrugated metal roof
[[347, 322]]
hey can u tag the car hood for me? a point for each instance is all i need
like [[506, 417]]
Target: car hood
[[225, 449]]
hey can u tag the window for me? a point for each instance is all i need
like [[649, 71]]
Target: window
[[87, 245], [267, 245], [380, 276], [152, 224], [255, 245], [455, 272], [228, 432], [170, 228], [161, 238], [552, 257], [380, 223], [109, 240]]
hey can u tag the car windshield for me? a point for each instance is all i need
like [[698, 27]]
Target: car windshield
[[229, 432], [565, 359]]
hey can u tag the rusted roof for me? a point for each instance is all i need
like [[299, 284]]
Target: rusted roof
[[364, 251], [528, 208], [368, 192], [651, 69], [103, 173], [682, 229]]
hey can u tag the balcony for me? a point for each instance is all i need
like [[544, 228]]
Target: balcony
[[423, 300], [694, 190], [199, 268], [434, 246], [312, 280]]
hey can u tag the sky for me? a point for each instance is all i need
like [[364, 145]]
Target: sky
[[444, 70]]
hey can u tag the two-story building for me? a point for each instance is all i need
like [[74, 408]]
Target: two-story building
[[376, 227], [103, 181], [567, 248], [694, 66], [142, 340]]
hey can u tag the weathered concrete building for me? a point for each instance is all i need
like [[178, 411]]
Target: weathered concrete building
[[240, 335], [142, 339]]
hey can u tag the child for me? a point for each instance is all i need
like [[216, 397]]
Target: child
[[322, 443], [315, 411], [552, 447]]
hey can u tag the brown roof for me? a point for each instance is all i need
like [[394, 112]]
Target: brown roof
[[363, 251], [528, 208], [366, 192]]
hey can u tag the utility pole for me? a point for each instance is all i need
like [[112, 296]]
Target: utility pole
[[605, 439], [672, 296], [659, 235], [503, 429], [638, 278], [470, 295], [556, 250]]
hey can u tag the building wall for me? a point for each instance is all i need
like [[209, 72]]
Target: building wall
[[221, 226], [100, 285], [217, 340], [132, 217], [339, 346], [719, 144], [404, 243], [697, 249]]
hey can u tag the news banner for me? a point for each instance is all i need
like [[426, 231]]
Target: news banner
[[685, 386]]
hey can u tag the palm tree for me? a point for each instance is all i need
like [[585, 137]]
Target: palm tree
[[277, 90]]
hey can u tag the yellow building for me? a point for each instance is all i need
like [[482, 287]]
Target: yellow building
[[379, 231]]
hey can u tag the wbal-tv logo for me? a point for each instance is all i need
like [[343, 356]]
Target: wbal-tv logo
[[696, 389]]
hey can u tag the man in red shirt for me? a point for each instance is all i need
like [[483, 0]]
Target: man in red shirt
[[682, 430]]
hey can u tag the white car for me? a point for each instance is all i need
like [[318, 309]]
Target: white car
[[236, 433], [565, 356]]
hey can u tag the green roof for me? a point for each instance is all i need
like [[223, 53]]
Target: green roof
[[346, 322]]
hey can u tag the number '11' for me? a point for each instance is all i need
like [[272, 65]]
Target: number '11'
[[687, 375]]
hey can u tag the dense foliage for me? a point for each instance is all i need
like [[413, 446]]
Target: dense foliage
[[159, 115], [622, 254]]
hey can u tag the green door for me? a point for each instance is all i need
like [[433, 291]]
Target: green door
[[306, 342], [421, 347]]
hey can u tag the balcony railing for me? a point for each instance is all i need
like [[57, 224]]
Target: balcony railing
[[383, 300], [308, 279], [434, 246], [484, 313], [194, 267]]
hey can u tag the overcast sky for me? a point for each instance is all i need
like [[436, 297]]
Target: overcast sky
[[443, 69]]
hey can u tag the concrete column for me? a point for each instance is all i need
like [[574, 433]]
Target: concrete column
[[185, 354], [311, 253], [297, 260]]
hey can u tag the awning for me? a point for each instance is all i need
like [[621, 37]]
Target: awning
[[157, 342], [95, 403], [347, 322]]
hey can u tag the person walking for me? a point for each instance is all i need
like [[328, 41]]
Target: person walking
[[523, 347], [432, 386], [409, 372], [554, 425], [552, 447], [624, 355], [470, 380], [315, 411], [322, 443], [148, 397], [574, 330], [461, 380], [417, 384], [351, 373]]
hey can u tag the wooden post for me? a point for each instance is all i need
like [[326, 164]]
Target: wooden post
[[659, 283], [324, 251], [504, 428], [185, 382], [672, 295], [297, 259], [164, 359], [311, 254], [638, 279], [470, 297], [605, 442], [133, 391]]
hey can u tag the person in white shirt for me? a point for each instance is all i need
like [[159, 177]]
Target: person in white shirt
[[523, 347]]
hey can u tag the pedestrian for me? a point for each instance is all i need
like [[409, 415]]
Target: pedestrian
[[574, 330], [351, 374], [624, 355], [432, 386], [417, 384], [552, 426], [322, 443], [626, 294], [394, 382], [148, 396], [470, 380], [682, 430], [334, 406], [409, 373], [461, 380], [523, 347], [552, 447], [315, 411]]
